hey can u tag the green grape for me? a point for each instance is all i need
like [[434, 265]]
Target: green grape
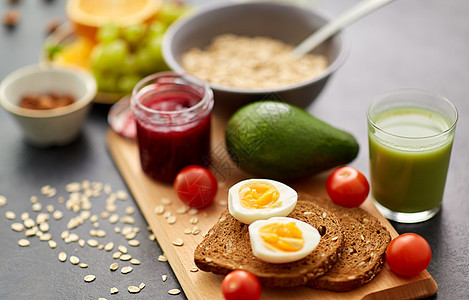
[[143, 61], [155, 29], [171, 11], [134, 33], [108, 33], [126, 83], [107, 82], [109, 56]]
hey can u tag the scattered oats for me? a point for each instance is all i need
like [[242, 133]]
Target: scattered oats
[[142, 286], [159, 209], [128, 220], [188, 231], [334, 238], [64, 234], [62, 256], [134, 243], [130, 236], [57, 215], [93, 232], [109, 246], [162, 258], [50, 208], [135, 261], [121, 195], [74, 260], [126, 230], [73, 187], [52, 244], [17, 227], [81, 243], [24, 216], [44, 227], [152, 237], [3, 200], [48, 191], [111, 208], [164, 277], [37, 206], [100, 233], [178, 242], [129, 210], [194, 220], [114, 218], [83, 265], [85, 184], [31, 231], [114, 266], [23, 243], [222, 203], [116, 255], [126, 269], [61, 199], [39, 233], [125, 257], [89, 278], [45, 237], [10, 215], [29, 223], [174, 292], [166, 201], [33, 199], [101, 247], [117, 229], [94, 218], [41, 218], [136, 229], [194, 269], [73, 237], [324, 214], [208, 259], [171, 219], [114, 290], [122, 249], [133, 289], [182, 210], [193, 211], [101, 298], [195, 230], [92, 242], [104, 215]]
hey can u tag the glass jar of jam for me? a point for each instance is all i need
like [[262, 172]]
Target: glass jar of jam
[[172, 113]]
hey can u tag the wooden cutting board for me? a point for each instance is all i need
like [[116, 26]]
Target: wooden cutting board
[[202, 285]]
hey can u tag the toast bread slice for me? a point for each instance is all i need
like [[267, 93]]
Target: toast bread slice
[[363, 257], [227, 247]]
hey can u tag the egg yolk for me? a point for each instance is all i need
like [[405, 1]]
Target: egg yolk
[[282, 237], [259, 194]]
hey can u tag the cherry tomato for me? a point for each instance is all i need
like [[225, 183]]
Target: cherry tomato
[[408, 254], [347, 187], [196, 186], [241, 285]]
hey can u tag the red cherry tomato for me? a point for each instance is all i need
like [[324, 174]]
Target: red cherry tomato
[[241, 285], [347, 187], [408, 254], [196, 186]]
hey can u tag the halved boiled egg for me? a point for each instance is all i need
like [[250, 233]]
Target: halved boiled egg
[[260, 199], [282, 239]]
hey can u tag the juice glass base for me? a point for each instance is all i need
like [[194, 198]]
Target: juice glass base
[[402, 217]]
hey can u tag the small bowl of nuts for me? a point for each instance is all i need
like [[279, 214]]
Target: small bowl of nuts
[[49, 104], [245, 52]]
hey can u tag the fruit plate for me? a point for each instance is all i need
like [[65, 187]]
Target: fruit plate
[[64, 35], [202, 285]]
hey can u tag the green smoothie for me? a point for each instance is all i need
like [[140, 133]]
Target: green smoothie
[[406, 176]]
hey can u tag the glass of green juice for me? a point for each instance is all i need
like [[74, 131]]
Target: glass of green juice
[[410, 136]]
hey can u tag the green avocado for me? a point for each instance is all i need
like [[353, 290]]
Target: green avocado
[[272, 139]]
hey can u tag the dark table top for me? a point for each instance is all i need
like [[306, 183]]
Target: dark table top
[[421, 43]]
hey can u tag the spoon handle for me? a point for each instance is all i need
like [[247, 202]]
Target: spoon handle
[[352, 14]]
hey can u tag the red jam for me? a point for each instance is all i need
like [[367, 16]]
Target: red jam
[[173, 123]]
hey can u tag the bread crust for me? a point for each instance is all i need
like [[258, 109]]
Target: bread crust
[[227, 247], [366, 240]]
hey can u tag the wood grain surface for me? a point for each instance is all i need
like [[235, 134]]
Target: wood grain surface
[[202, 285]]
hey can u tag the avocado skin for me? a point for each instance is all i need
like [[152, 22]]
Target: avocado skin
[[277, 140]]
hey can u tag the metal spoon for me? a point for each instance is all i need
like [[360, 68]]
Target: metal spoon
[[352, 14]]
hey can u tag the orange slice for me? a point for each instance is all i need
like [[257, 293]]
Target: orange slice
[[88, 15]]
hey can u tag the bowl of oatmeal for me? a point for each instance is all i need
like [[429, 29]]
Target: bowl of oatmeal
[[48, 104], [244, 51]]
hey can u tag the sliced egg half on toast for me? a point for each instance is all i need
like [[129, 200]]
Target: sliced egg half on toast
[[282, 239], [260, 199]]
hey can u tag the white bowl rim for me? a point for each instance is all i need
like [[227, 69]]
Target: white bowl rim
[[87, 78], [207, 8]]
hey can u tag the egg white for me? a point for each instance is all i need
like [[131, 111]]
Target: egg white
[[310, 234], [287, 196]]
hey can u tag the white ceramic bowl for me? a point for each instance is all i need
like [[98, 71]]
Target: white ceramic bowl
[[51, 127]]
